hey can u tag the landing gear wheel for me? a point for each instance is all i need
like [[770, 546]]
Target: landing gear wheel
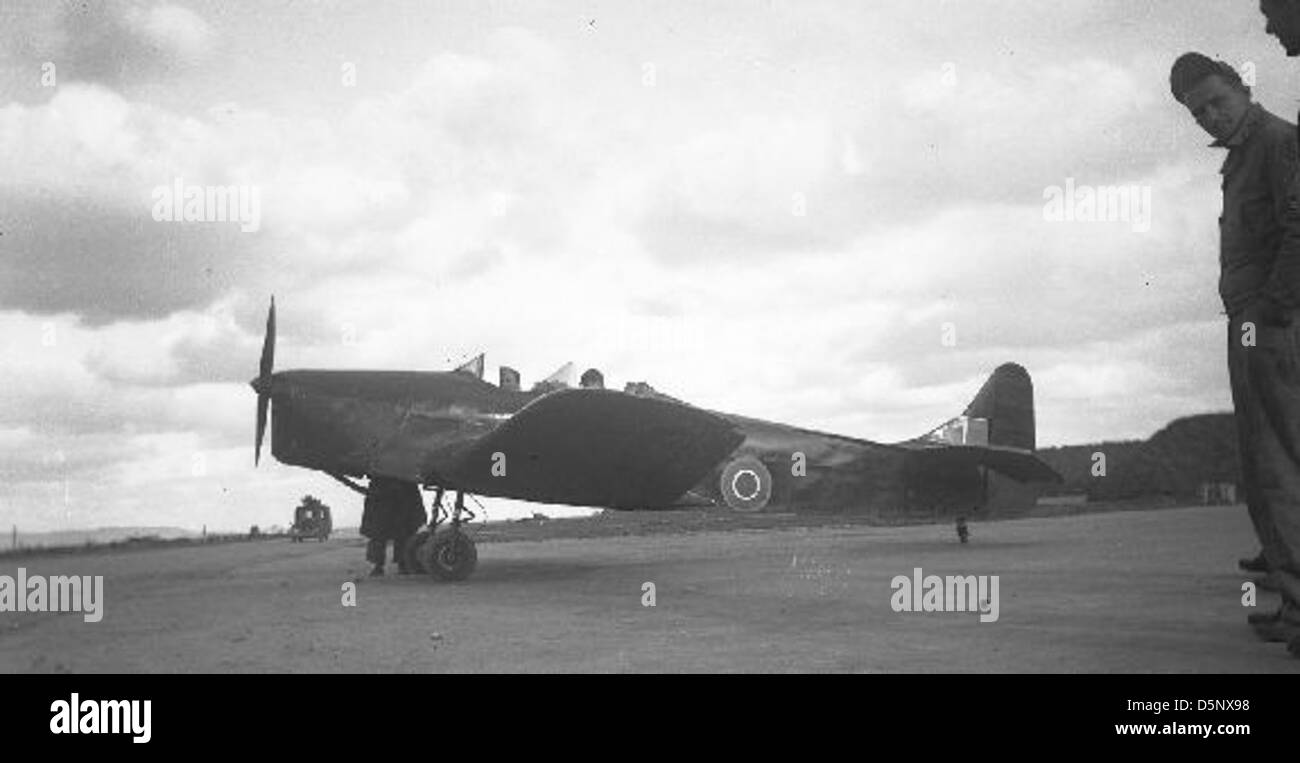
[[449, 555], [411, 552], [746, 484]]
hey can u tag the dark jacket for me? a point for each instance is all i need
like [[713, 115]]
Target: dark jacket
[[1259, 229], [393, 509]]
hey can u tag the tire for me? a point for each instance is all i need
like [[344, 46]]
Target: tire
[[411, 552], [449, 555], [746, 484]]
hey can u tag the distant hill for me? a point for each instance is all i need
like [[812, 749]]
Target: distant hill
[[97, 535], [1172, 464]]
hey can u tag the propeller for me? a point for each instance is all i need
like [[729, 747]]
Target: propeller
[[262, 384]]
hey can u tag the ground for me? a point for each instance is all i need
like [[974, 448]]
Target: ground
[[1137, 591]]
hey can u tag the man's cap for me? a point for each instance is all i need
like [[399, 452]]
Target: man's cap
[[1191, 68]]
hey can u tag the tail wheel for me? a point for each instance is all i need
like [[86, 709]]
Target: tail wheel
[[746, 484], [411, 552], [449, 555]]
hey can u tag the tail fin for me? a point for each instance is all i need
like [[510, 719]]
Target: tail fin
[[996, 430], [1006, 401], [1002, 414]]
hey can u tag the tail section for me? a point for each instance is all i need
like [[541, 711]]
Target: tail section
[[996, 431], [1006, 402], [1001, 415]]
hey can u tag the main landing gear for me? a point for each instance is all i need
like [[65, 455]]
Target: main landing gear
[[442, 549]]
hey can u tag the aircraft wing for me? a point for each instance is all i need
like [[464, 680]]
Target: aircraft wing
[[1018, 464], [595, 447], [587, 447]]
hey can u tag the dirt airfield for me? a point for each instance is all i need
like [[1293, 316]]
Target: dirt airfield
[[1137, 591]]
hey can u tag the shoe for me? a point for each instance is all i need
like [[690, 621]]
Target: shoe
[[1258, 564], [1276, 632], [1263, 618], [1282, 630], [377, 571]]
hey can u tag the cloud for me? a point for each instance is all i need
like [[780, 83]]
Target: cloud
[[438, 179], [62, 380], [750, 190], [71, 255], [953, 136], [171, 30], [120, 43]]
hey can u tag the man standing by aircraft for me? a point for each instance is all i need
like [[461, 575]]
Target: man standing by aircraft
[[394, 510], [1256, 183], [1270, 350]]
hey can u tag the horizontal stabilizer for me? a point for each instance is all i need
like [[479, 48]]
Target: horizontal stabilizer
[[1019, 465]]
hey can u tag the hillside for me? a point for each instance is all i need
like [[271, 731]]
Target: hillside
[[1172, 464], [99, 535]]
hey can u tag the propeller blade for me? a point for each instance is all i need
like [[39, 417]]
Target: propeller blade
[[266, 368], [262, 402], [268, 344]]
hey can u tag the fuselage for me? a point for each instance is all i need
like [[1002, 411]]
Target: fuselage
[[343, 422], [336, 420]]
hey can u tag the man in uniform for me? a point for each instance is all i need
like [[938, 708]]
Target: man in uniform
[[1260, 287]]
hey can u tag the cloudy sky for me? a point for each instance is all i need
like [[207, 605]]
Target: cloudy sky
[[767, 207]]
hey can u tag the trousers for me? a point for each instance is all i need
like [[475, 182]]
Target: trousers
[[1264, 370]]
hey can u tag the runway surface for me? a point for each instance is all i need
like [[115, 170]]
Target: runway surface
[[1140, 591]]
